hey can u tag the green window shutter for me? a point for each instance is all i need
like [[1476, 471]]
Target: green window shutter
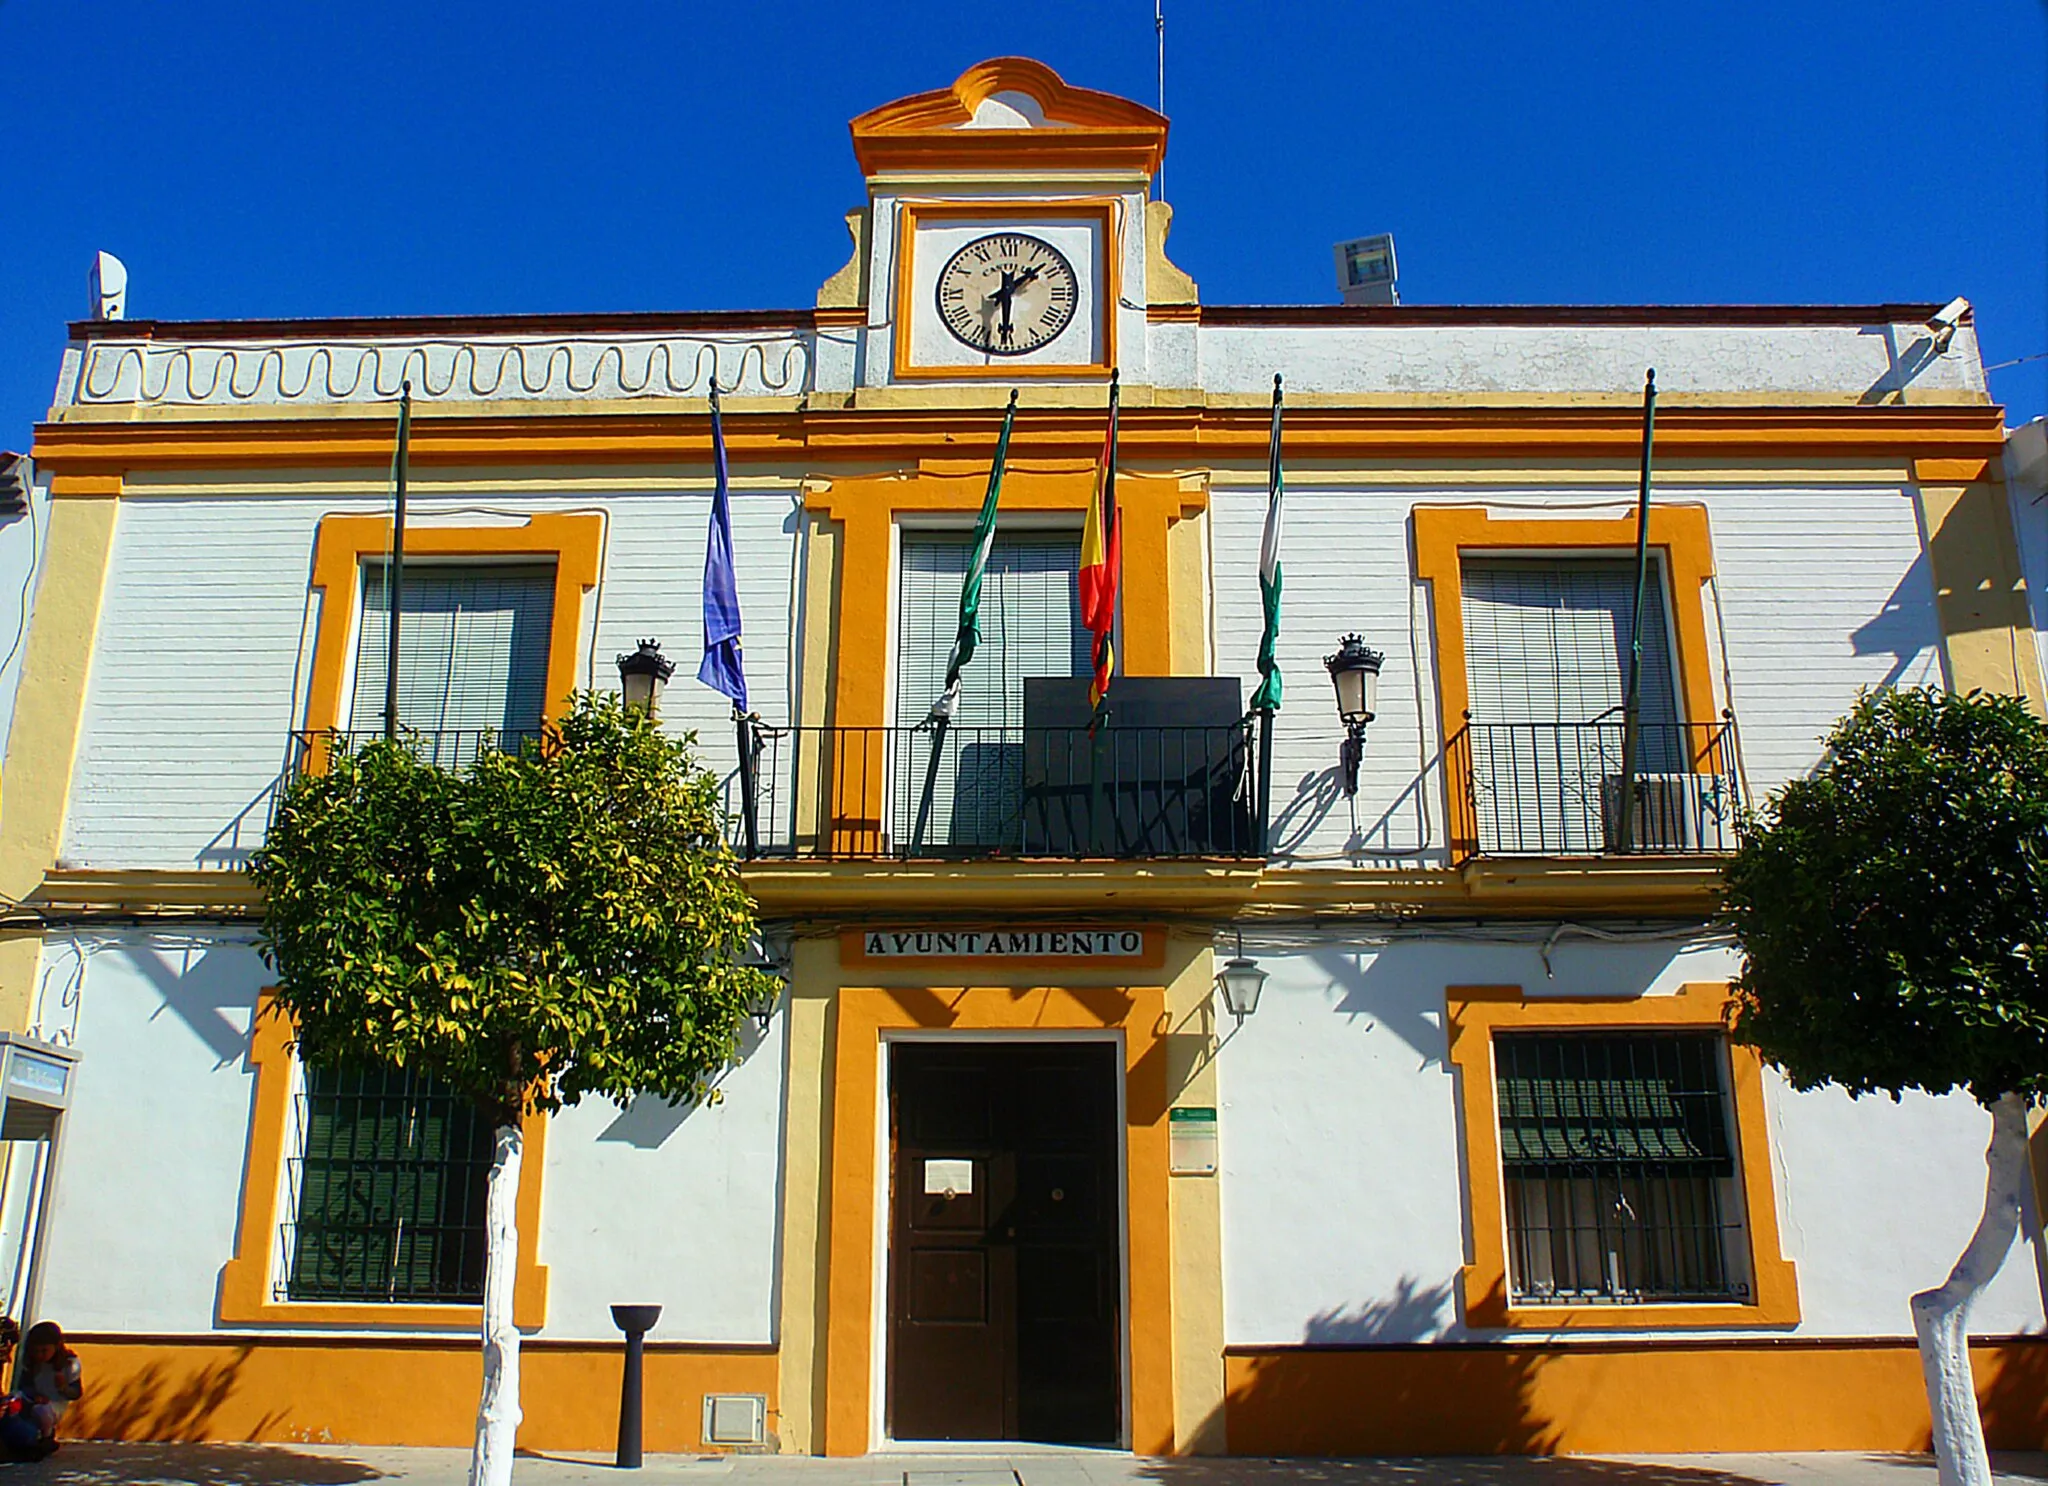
[[1030, 622], [473, 648], [1547, 640], [1030, 626], [1649, 1100]]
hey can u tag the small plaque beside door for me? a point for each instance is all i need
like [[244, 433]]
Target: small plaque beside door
[[1191, 1143], [948, 1178]]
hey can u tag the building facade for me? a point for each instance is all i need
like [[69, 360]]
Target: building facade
[[1480, 1171]]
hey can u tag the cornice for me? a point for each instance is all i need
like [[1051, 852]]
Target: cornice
[[1183, 434], [1637, 887]]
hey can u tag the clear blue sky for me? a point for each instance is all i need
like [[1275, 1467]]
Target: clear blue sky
[[443, 155]]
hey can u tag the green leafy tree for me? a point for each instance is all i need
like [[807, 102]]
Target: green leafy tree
[[541, 925], [1893, 913]]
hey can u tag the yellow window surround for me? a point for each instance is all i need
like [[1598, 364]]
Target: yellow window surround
[[574, 541], [248, 1294], [1473, 1014], [1444, 534]]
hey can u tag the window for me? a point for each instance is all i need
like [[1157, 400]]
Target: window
[[387, 1189], [1618, 1168], [473, 654], [1030, 626], [1547, 650]]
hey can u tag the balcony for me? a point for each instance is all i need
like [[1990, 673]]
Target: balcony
[[968, 793], [445, 748], [1543, 789]]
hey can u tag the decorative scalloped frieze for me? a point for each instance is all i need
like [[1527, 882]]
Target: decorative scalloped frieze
[[304, 373]]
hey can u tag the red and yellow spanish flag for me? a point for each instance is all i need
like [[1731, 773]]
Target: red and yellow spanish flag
[[1102, 560]]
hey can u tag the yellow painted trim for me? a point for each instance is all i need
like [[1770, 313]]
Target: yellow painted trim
[[1980, 591], [1212, 429], [390, 1391], [1198, 1386], [1444, 534], [866, 512], [1621, 886], [573, 539], [1090, 129], [1169, 293], [1642, 1396], [864, 1013], [1005, 369], [49, 710], [246, 1280], [1472, 1015]]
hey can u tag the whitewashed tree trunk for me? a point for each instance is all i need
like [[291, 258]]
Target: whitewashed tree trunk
[[1941, 1316], [497, 1416]]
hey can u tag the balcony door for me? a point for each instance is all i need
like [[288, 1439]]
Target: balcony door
[[1546, 653], [472, 654], [1030, 626]]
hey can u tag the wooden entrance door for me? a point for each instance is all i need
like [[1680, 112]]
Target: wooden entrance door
[[1004, 1282]]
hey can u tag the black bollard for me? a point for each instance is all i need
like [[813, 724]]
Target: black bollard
[[636, 1321]]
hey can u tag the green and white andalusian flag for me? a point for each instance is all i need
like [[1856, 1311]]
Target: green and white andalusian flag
[[969, 634], [1267, 697]]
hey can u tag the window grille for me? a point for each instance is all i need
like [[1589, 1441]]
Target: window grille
[[1619, 1168], [387, 1190]]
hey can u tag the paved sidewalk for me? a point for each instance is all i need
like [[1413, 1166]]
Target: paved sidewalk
[[88, 1464]]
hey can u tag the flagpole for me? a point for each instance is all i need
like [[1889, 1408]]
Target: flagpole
[[1265, 699], [1101, 824], [969, 634], [1631, 708], [394, 575]]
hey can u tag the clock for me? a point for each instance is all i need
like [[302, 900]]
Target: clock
[[1007, 294]]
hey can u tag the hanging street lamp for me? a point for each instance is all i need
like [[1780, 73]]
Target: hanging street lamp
[[1240, 981]]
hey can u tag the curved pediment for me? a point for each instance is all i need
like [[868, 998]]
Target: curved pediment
[[1010, 112]]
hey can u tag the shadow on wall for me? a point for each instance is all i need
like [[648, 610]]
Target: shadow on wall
[[1356, 1386], [1904, 627], [648, 1121], [2012, 1395], [89, 1463], [152, 1403]]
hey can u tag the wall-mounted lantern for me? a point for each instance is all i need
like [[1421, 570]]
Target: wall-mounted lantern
[[1355, 672], [760, 955], [642, 675], [1240, 981]]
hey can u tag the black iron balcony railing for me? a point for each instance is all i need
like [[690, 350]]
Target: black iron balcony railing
[[968, 792], [1556, 788], [446, 748]]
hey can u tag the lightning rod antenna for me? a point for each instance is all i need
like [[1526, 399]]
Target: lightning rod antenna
[[1159, 26]]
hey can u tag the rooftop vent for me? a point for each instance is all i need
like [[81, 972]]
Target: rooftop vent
[[1365, 270]]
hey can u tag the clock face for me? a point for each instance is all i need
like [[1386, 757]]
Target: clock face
[[1007, 294]]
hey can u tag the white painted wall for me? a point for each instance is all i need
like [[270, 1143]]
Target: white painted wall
[[21, 553], [1343, 1210], [571, 365], [150, 1187], [675, 1206], [199, 672], [642, 1204], [1820, 593], [1846, 359]]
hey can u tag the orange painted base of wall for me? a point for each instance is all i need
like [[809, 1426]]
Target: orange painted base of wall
[[394, 1392], [1626, 1398]]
